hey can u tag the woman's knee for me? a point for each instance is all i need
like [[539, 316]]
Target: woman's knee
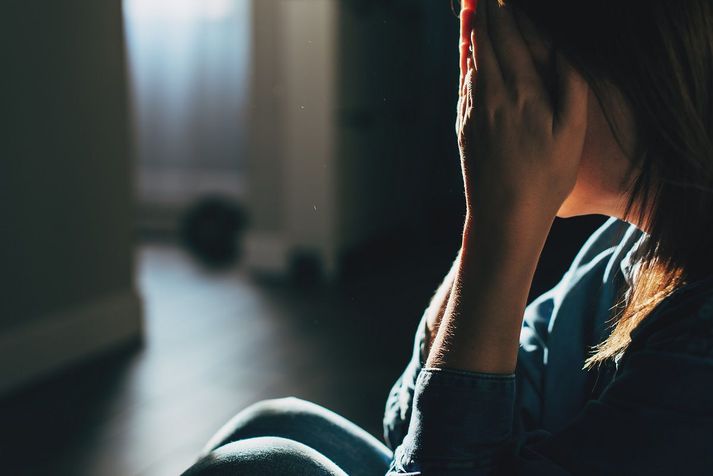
[[277, 406], [327, 433], [265, 418], [265, 456]]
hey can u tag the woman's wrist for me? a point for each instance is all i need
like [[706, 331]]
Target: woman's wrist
[[481, 328], [517, 233], [439, 302]]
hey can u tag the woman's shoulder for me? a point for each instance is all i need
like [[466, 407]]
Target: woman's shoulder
[[614, 235], [681, 324], [667, 370], [603, 258]]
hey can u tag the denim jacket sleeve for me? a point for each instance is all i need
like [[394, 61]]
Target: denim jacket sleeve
[[529, 376], [558, 328], [654, 418], [398, 405]]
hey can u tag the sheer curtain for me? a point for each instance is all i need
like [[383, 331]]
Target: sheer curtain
[[188, 63]]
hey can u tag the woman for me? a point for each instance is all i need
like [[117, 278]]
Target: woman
[[611, 372]]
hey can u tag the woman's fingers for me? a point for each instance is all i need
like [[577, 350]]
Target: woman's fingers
[[572, 103], [499, 52], [540, 45], [465, 100], [486, 64], [511, 50], [470, 86], [466, 103], [466, 26]]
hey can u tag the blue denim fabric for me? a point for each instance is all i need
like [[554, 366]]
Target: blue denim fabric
[[289, 436], [651, 414]]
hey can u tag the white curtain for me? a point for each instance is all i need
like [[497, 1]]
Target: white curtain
[[188, 64]]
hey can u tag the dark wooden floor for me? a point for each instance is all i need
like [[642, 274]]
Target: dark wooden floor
[[218, 341]]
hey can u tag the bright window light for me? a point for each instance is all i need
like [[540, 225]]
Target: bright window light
[[177, 10]]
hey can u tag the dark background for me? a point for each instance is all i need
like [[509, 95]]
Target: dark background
[[134, 320]]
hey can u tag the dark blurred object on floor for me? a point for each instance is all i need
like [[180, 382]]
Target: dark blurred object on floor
[[212, 229]]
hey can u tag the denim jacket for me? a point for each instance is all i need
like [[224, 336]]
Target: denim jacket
[[650, 413]]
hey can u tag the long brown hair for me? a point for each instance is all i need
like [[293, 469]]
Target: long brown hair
[[658, 54]]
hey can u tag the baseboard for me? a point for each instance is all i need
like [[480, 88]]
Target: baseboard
[[43, 346]]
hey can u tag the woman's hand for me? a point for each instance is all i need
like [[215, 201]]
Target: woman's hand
[[520, 144], [520, 151]]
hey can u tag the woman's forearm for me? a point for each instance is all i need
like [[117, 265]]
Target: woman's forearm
[[439, 302], [480, 329]]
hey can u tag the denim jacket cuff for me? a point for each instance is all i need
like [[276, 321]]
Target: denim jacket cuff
[[459, 419]]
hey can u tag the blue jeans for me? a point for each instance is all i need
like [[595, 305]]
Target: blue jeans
[[292, 437]]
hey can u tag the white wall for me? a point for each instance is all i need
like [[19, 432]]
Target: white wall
[[66, 270], [336, 127], [292, 159], [309, 50]]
